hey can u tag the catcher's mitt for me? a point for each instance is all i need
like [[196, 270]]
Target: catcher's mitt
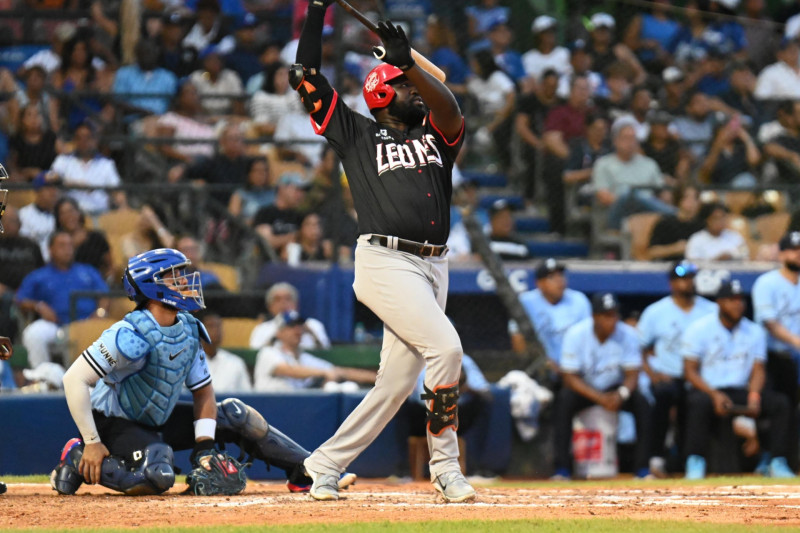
[[217, 473]]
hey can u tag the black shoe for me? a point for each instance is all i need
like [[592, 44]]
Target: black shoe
[[65, 478], [3, 488]]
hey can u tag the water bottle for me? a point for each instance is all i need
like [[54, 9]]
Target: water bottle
[[360, 333]]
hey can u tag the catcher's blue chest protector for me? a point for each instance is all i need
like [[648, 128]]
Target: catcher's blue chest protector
[[150, 395]]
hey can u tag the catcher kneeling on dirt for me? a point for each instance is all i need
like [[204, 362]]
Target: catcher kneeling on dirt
[[132, 421]]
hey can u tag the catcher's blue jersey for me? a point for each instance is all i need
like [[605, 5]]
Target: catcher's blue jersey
[[142, 383]]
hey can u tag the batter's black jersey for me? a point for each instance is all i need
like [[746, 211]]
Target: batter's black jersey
[[401, 181]]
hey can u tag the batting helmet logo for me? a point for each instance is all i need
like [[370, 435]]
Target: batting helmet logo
[[377, 91]]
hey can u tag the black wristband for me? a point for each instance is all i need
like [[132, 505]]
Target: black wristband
[[203, 445]]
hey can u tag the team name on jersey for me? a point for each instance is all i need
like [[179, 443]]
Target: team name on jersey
[[419, 152]]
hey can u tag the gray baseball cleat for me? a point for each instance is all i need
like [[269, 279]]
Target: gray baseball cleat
[[324, 486], [453, 486]]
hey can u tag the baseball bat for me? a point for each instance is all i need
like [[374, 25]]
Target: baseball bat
[[423, 62]]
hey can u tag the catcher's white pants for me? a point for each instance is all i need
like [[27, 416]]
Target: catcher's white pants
[[409, 294]]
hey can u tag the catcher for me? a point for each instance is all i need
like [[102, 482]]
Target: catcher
[[132, 421], [6, 349]]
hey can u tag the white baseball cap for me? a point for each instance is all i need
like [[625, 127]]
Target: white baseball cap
[[792, 28], [672, 74], [730, 4], [543, 23], [602, 20]]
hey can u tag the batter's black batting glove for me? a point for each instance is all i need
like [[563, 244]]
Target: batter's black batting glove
[[396, 49]]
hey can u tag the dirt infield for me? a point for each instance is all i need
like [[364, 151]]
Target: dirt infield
[[35, 505]]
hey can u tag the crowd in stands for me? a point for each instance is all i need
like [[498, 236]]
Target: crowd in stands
[[180, 113]]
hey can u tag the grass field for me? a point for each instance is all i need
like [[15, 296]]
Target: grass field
[[729, 504]]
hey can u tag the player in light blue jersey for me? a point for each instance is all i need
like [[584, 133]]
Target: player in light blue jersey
[[724, 355], [600, 361], [661, 327], [131, 421], [776, 306], [552, 308]]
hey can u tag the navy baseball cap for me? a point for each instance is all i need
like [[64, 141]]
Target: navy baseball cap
[[682, 269], [604, 302], [547, 267], [790, 241], [248, 20], [46, 178], [290, 318], [730, 289], [578, 44]]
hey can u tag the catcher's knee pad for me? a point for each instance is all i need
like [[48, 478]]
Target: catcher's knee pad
[[260, 439], [154, 472], [65, 479], [443, 410]]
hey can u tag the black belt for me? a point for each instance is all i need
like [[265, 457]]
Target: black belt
[[410, 247]]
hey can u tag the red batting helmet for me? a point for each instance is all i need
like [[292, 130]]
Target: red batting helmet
[[377, 91]]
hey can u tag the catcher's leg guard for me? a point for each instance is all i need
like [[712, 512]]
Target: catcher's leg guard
[[153, 474], [443, 411], [261, 440], [65, 478]]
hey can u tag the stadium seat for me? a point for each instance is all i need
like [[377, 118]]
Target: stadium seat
[[21, 198], [770, 228], [236, 331], [228, 275], [82, 333], [118, 222], [119, 307], [737, 201]]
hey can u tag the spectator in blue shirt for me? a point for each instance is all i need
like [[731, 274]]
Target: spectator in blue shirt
[[145, 77], [724, 355], [46, 291], [244, 58], [600, 361]]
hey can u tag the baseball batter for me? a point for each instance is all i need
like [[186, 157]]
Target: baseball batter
[[399, 168]]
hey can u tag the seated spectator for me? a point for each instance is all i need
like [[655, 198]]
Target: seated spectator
[[759, 33], [174, 56], [269, 55], [444, 54], [227, 167], [150, 233], [715, 80], [479, 17], [495, 93], [90, 246], [273, 100], [278, 223], [228, 371], [671, 233], [219, 88], [614, 99], [33, 148], [580, 62], [600, 361], [297, 141], [637, 117], [784, 147], [35, 95], [695, 128], [280, 298], [672, 98], [86, 167], [502, 240], [499, 38], [285, 366], [605, 51], [739, 98], [310, 240], [715, 242], [781, 80], [145, 77], [585, 151], [621, 178], [209, 29], [532, 110], [648, 35], [546, 54], [733, 157], [38, 218], [724, 357], [553, 308], [244, 58], [185, 122], [257, 192], [194, 252], [78, 72], [49, 59], [19, 256], [46, 291], [662, 148]]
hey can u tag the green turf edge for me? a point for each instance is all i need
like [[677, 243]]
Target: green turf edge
[[598, 525]]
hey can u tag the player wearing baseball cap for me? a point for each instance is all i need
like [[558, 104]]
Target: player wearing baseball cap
[[399, 167]]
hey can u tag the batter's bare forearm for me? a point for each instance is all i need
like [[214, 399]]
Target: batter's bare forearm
[[444, 108]]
